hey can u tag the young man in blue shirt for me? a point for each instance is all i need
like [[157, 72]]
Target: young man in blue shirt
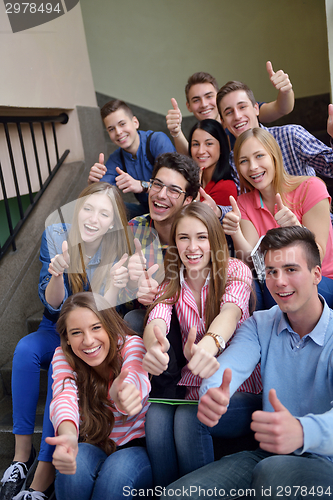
[[294, 342], [129, 167]]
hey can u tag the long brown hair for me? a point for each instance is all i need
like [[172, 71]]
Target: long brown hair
[[282, 182], [114, 243], [95, 407], [218, 265]]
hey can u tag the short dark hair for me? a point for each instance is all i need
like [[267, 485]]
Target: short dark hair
[[200, 77], [185, 166], [114, 105], [281, 237], [215, 129], [232, 86]]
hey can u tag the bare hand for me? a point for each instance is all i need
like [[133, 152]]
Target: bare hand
[[127, 183], [174, 119], [156, 359], [126, 396], [208, 200], [201, 362], [147, 286], [284, 216], [60, 262], [231, 220], [64, 455], [278, 431], [119, 273], [215, 402], [98, 170], [137, 262], [280, 79]]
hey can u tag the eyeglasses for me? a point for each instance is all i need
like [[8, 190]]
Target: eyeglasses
[[173, 192]]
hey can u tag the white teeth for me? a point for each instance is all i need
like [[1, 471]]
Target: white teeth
[[240, 125], [193, 257], [206, 112], [286, 294], [91, 228], [159, 205], [89, 351], [257, 175]]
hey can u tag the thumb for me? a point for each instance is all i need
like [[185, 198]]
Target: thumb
[[137, 245], [278, 202], [275, 402], [160, 337], [119, 170], [191, 337], [120, 262], [227, 376], [174, 103], [152, 270], [121, 377], [330, 110], [101, 158], [234, 205], [269, 68], [64, 249], [57, 440]]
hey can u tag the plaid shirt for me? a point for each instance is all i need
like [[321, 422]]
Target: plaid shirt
[[302, 154]]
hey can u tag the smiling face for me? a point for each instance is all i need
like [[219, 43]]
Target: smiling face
[[289, 280], [87, 337], [238, 113], [193, 245], [123, 130], [163, 208], [95, 218], [202, 101], [256, 165], [205, 149]]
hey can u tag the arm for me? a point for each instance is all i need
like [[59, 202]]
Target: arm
[[285, 101], [55, 290], [173, 121], [318, 220], [66, 443]]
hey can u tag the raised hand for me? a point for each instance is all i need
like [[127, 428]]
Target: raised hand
[[126, 396], [174, 119], [119, 273], [330, 120], [231, 220], [215, 402], [201, 362], [60, 262], [127, 183], [137, 262], [156, 359], [280, 79], [147, 286], [64, 455], [208, 200], [98, 170], [284, 216], [278, 431]]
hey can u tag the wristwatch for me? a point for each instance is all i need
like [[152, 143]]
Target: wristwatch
[[219, 341], [145, 186]]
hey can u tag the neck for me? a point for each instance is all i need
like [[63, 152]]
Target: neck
[[163, 229], [133, 149], [305, 320], [268, 197], [196, 282], [91, 248], [207, 175]]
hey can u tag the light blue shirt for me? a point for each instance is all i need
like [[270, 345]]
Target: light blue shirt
[[300, 370]]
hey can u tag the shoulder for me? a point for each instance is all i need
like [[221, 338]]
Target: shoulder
[[141, 220], [291, 131], [57, 231], [237, 269], [159, 140]]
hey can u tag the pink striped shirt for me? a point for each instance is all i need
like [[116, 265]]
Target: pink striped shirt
[[64, 405], [237, 291]]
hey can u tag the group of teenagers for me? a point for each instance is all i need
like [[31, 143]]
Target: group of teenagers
[[160, 298]]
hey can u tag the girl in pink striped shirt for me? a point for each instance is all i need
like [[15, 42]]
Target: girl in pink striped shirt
[[100, 394], [210, 293]]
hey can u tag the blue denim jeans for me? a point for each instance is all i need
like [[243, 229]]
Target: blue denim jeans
[[102, 477], [258, 474], [33, 352], [178, 443]]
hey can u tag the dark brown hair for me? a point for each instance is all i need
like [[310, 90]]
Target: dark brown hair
[[200, 77]]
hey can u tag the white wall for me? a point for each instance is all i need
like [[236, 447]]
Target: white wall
[[143, 52]]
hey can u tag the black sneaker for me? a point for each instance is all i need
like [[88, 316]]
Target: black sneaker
[[31, 494], [14, 477]]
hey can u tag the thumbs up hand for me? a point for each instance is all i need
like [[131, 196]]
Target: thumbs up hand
[[119, 273], [98, 170], [174, 119], [284, 216], [147, 286], [60, 262], [156, 359], [201, 362], [125, 394], [215, 402], [137, 262], [280, 79], [231, 220], [278, 431]]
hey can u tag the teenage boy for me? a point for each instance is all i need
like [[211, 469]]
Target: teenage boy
[[201, 90], [294, 341], [130, 166]]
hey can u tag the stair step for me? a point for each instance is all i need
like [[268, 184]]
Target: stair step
[[34, 320], [6, 375]]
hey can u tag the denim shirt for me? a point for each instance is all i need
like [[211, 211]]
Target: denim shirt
[[52, 240]]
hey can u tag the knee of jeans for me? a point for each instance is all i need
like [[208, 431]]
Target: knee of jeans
[[262, 473]]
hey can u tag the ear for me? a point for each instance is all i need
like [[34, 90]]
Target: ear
[[68, 342], [188, 105], [316, 275], [188, 200], [256, 108], [136, 122]]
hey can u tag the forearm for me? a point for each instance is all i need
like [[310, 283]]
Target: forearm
[[55, 291], [181, 144], [149, 337], [271, 111], [67, 427], [242, 247], [226, 321]]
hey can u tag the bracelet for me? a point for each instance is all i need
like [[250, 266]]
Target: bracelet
[[219, 341]]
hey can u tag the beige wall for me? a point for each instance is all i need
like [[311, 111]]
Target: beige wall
[[143, 52], [45, 67]]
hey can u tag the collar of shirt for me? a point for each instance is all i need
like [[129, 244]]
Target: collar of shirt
[[183, 281], [319, 331]]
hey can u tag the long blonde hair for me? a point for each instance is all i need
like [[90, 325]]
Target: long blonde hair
[[114, 243], [282, 182]]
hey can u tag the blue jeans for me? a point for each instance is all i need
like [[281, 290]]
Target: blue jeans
[[258, 474], [178, 443], [102, 477], [33, 352]]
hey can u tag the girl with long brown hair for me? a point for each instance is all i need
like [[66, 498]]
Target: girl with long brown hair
[[100, 398]]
